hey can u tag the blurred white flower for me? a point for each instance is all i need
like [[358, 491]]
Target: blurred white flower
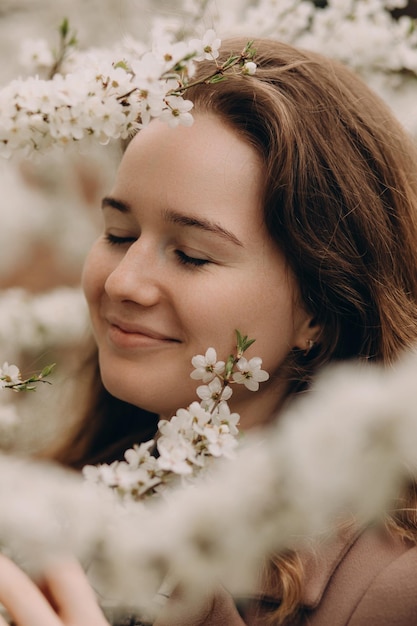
[[140, 455], [345, 446], [207, 47], [9, 422], [35, 54], [220, 441], [224, 416], [147, 72], [9, 375], [176, 455]]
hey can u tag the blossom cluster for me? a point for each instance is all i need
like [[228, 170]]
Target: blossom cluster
[[108, 100], [365, 36], [106, 95], [362, 34], [187, 443], [347, 447], [35, 113]]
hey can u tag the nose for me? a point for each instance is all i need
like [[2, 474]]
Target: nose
[[136, 277]]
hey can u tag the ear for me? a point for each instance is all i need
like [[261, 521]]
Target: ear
[[308, 332]]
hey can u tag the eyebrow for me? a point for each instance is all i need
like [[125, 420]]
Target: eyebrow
[[108, 201], [178, 218], [202, 224]]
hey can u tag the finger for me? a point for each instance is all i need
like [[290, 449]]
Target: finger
[[22, 598], [72, 594]]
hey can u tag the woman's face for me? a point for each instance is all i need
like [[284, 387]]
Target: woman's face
[[183, 261]]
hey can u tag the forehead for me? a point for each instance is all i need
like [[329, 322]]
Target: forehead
[[205, 166]]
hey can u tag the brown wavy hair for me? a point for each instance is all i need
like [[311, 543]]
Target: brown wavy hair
[[340, 201]]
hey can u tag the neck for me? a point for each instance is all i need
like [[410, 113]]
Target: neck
[[256, 409]]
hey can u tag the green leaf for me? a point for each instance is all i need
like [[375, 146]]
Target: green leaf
[[230, 61], [249, 342], [239, 338], [217, 78], [64, 28], [249, 50], [242, 342]]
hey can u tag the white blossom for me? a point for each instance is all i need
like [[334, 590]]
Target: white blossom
[[177, 111], [213, 392], [224, 416], [249, 68], [207, 366], [250, 373]]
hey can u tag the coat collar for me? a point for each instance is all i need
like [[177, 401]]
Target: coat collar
[[320, 560]]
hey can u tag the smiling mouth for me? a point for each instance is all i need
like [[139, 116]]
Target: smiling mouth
[[125, 336]]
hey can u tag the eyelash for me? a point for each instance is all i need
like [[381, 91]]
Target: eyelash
[[113, 240], [190, 261], [182, 258]]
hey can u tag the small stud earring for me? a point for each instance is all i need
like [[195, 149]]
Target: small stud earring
[[310, 345]]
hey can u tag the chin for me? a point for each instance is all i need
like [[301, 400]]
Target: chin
[[142, 399], [136, 385]]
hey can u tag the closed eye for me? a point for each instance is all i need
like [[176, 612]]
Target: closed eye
[[114, 240], [184, 259]]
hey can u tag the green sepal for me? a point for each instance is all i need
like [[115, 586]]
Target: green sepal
[[47, 370], [123, 64], [229, 366]]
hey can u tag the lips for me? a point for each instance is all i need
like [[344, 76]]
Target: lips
[[130, 333]]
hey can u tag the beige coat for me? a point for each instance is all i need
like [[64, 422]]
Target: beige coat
[[359, 579]]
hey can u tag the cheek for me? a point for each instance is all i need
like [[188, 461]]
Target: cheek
[[213, 314], [267, 316]]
